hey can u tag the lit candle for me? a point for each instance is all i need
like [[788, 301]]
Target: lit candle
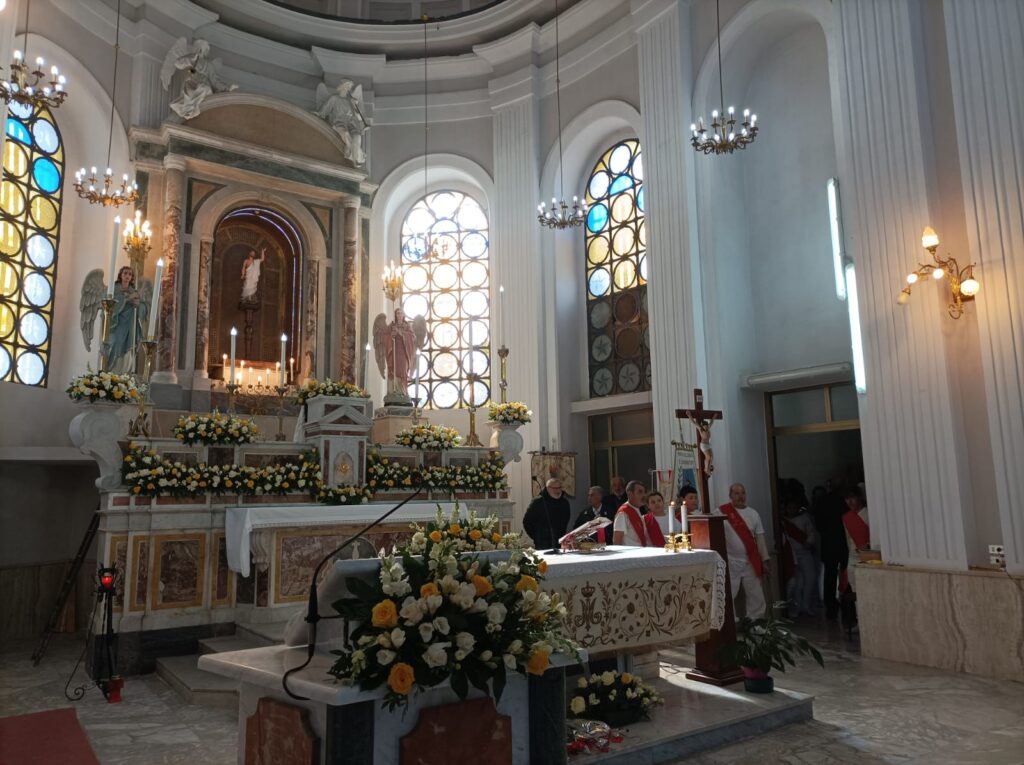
[[224, 367], [671, 517], [284, 355], [234, 339], [113, 255], [291, 368], [154, 307], [501, 310], [684, 521]]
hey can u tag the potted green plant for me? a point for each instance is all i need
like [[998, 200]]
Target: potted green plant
[[763, 645]]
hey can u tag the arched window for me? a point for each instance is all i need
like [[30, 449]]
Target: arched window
[[30, 202], [619, 353], [445, 278]]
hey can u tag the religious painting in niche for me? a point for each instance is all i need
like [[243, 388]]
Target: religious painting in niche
[[255, 286], [619, 353], [449, 285], [30, 207]]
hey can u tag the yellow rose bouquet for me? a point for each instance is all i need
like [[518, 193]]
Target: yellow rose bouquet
[[105, 386], [617, 698], [215, 428]]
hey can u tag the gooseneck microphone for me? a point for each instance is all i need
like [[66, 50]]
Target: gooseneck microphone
[[313, 607]]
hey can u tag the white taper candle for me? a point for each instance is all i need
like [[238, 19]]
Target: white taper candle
[[154, 307], [113, 255], [234, 339], [284, 356]]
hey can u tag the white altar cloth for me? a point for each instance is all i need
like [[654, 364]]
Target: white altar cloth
[[241, 521]]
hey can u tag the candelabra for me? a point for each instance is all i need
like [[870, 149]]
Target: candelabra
[[232, 389], [137, 237], [392, 279], [29, 86], [472, 439], [962, 284], [281, 391], [108, 304], [86, 186], [503, 383], [139, 427]]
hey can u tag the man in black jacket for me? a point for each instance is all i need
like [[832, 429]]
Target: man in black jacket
[[547, 517], [610, 505]]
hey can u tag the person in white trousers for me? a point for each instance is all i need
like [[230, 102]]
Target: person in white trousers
[[747, 551]]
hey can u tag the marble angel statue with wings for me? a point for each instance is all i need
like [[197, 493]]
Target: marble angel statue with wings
[[343, 110], [131, 309], [201, 78], [395, 344]]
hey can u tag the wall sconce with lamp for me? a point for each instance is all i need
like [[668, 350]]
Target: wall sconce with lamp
[[962, 284]]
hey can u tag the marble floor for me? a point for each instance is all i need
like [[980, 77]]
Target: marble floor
[[866, 711]]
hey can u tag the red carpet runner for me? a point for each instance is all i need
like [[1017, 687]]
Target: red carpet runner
[[44, 738]]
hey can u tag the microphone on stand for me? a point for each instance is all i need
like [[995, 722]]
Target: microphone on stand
[[313, 607]]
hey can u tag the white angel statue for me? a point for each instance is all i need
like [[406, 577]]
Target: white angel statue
[[395, 345], [131, 309], [201, 78], [342, 109]]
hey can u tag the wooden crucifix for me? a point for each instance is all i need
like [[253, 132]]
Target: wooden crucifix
[[702, 419]]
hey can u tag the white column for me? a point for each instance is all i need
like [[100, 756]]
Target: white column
[[917, 485], [665, 83], [515, 260], [985, 41]]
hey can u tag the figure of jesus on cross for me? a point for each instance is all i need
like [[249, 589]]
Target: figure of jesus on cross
[[702, 419]]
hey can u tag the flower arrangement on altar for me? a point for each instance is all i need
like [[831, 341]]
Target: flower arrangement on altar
[[384, 474], [512, 413], [328, 387], [105, 386], [429, 438], [472, 534], [347, 494], [613, 697], [145, 473], [443, 616], [215, 428]]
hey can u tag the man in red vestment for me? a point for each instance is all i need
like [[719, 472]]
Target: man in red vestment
[[748, 553], [632, 527]]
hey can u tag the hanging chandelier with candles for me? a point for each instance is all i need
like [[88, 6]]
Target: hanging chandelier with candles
[[561, 215], [30, 87], [104, 191], [723, 135]]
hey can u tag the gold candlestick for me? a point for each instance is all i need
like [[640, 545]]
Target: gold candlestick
[[503, 384], [108, 304], [472, 439], [232, 389], [281, 390], [139, 427], [678, 543]]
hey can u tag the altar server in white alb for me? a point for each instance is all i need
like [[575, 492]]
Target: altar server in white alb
[[748, 553]]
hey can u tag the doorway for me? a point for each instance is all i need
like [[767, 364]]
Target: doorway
[[813, 441], [622, 443]]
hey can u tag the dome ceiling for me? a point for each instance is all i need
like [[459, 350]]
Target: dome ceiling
[[388, 11]]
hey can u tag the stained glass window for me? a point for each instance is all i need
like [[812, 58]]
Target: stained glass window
[[619, 355], [30, 202], [446, 279]]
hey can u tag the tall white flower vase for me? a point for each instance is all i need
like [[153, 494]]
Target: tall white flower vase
[[96, 431], [506, 439]]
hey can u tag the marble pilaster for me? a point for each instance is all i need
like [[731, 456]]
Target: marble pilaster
[[986, 56], [203, 308], [307, 367], [914, 458], [664, 55], [167, 334], [349, 294]]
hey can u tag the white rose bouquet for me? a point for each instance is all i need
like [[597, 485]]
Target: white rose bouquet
[[105, 386], [512, 413], [215, 428]]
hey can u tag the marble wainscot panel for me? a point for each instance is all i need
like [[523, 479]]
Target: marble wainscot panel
[[967, 621], [180, 573]]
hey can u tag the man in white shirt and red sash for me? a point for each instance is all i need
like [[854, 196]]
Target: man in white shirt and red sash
[[748, 553], [631, 526]]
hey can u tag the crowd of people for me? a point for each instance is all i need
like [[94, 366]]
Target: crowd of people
[[820, 538]]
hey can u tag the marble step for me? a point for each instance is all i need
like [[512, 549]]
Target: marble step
[[271, 633], [228, 643], [194, 685]]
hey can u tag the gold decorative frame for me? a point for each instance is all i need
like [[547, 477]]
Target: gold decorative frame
[[136, 569], [215, 569]]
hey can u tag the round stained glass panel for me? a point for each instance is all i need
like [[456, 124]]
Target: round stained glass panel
[[44, 213], [30, 368], [40, 251], [22, 110], [622, 208], [445, 335], [37, 290], [445, 305], [34, 329], [414, 278], [598, 184], [12, 200], [5, 363], [445, 365], [597, 250], [597, 218], [415, 305], [599, 282], [8, 279], [10, 240], [445, 395], [46, 175], [474, 304], [474, 274], [444, 277], [625, 274], [46, 136], [6, 321], [600, 314], [474, 246], [619, 160]]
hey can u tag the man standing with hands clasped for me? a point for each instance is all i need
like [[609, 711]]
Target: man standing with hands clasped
[[747, 551]]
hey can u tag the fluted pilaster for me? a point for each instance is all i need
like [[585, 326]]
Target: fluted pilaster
[[167, 327], [985, 41]]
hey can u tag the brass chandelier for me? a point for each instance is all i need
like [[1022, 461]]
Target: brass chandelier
[[561, 215], [963, 287], [721, 136], [30, 87], [89, 186]]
